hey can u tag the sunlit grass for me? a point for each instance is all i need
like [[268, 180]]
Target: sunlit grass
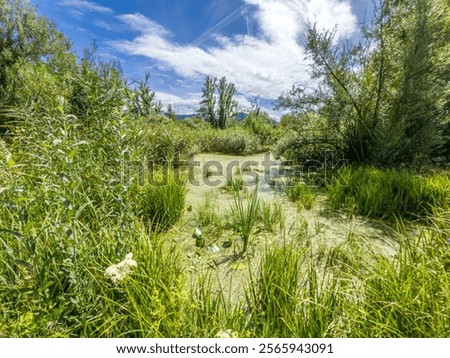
[[244, 216], [388, 193], [302, 194], [68, 216], [160, 202]]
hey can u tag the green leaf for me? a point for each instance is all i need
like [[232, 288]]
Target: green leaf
[[72, 153], [24, 263], [80, 210], [13, 233], [26, 290], [9, 160]]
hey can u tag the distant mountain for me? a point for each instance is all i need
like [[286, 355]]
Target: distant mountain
[[184, 116], [240, 116]]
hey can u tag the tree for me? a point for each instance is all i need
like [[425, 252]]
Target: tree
[[227, 106], [143, 99], [26, 36], [382, 98], [170, 112], [218, 113]]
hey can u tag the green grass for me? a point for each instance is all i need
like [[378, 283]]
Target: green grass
[[208, 218], [272, 217], [389, 193], [160, 202], [234, 183], [67, 215], [244, 217], [302, 194]]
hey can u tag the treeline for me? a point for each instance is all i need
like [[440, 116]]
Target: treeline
[[383, 100], [40, 74]]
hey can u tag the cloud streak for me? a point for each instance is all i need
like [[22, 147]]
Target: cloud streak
[[84, 5]]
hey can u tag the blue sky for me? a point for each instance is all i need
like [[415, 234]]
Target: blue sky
[[254, 43]]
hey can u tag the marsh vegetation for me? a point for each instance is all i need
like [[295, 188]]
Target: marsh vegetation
[[108, 229]]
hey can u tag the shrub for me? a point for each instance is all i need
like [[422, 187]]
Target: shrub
[[263, 127], [234, 140], [301, 149], [167, 143]]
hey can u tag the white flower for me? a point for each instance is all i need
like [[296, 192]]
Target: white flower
[[227, 334], [56, 142], [119, 271], [198, 232], [213, 248]]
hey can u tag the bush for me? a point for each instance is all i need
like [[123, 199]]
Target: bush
[[234, 140], [263, 127], [165, 142], [299, 149]]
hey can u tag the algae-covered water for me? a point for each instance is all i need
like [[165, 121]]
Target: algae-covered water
[[221, 255], [261, 171]]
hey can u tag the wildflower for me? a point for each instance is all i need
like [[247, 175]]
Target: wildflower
[[199, 239], [227, 334], [213, 248], [117, 272]]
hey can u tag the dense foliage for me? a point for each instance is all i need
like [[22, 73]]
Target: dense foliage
[[385, 99], [90, 187]]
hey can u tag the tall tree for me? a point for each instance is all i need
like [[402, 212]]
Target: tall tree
[[227, 105], [207, 111], [219, 113], [382, 97], [26, 36]]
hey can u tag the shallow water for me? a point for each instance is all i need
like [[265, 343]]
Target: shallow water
[[324, 227], [262, 169], [256, 170]]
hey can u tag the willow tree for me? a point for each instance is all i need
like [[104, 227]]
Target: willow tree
[[218, 112], [383, 98], [26, 37]]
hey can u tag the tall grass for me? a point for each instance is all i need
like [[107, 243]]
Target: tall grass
[[302, 194], [408, 296], [244, 217], [388, 193], [160, 202], [208, 218], [67, 215], [272, 216]]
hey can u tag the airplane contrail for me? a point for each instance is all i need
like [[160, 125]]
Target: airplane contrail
[[222, 23], [247, 20]]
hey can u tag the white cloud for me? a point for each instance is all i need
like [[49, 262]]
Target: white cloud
[[182, 105], [84, 5], [140, 23], [104, 25], [265, 64]]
